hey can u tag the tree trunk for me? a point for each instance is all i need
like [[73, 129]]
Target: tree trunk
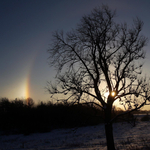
[[109, 129], [109, 137]]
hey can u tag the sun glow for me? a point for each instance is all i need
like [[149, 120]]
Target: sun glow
[[113, 93], [106, 94], [27, 88]]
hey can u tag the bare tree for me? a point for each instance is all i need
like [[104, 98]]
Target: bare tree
[[30, 102], [101, 56]]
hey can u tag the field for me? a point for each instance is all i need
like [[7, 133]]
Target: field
[[126, 137]]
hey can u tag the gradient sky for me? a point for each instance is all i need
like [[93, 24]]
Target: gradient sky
[[26, 27]]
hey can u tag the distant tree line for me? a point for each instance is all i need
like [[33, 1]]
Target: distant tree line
[[23, 117]]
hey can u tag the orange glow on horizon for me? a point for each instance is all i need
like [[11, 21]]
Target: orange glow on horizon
[[27, 90]]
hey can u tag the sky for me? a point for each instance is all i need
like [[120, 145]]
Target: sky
[[26, 28]]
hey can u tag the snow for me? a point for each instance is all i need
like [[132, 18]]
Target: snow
[[83, 138]]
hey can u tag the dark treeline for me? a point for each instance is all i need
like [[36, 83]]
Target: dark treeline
[[18, 116]]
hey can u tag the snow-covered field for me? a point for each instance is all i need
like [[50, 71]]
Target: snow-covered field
[[83, 138]]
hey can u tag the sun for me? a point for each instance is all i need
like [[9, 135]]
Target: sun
[[113, 93]]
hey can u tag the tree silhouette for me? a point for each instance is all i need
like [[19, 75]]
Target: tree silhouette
[[30, 102], [101, 56]]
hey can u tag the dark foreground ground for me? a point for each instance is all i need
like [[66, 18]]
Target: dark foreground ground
[[126, 137]]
